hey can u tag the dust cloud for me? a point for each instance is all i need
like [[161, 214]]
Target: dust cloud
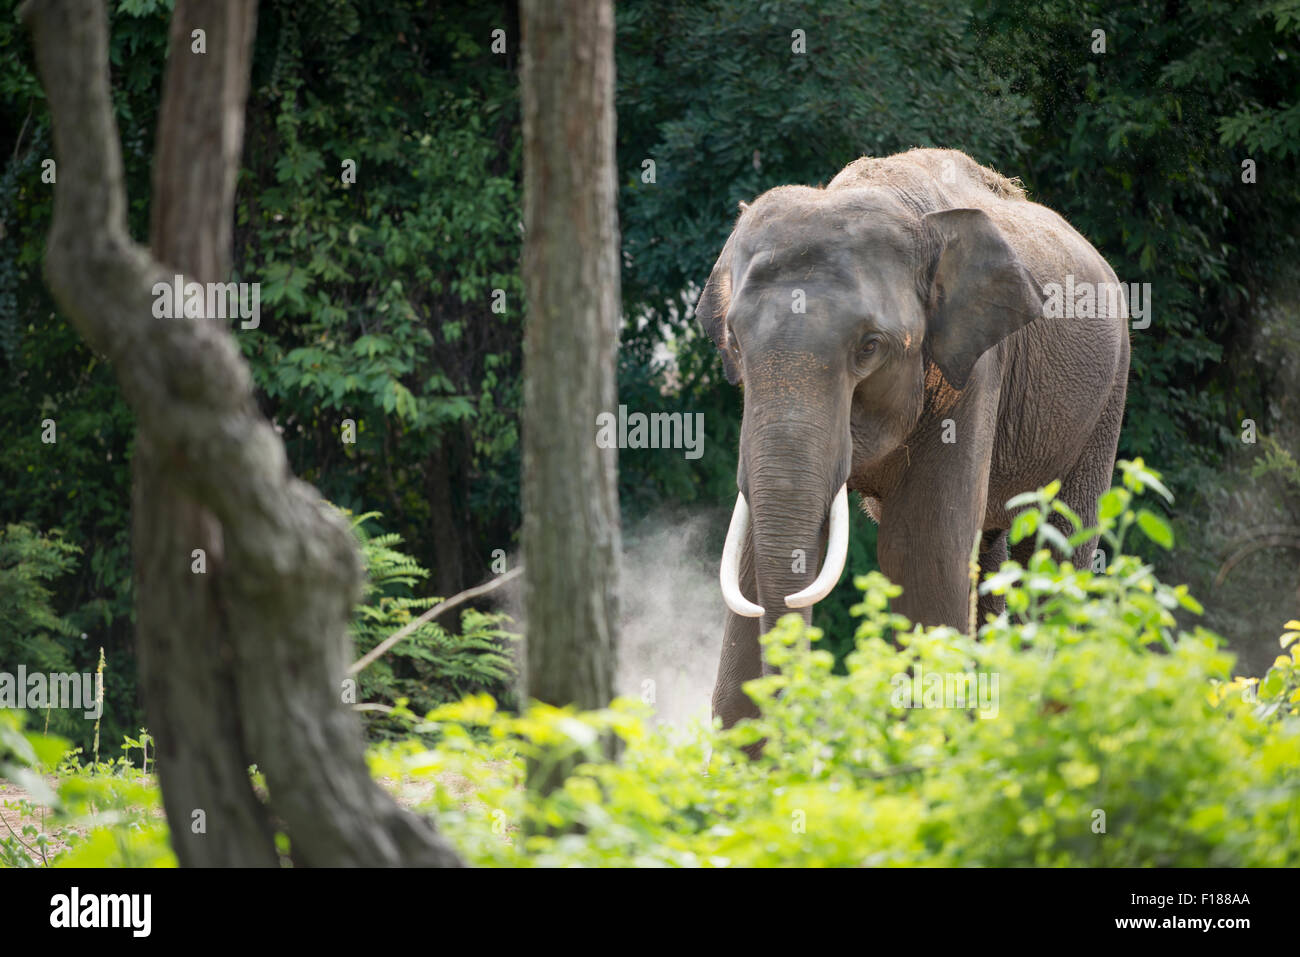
[[671, 612]]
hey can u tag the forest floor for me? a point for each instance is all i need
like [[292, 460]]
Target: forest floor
[[18, 809]]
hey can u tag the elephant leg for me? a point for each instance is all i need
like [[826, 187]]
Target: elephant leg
[[934, 572], [1091, 475], [741, 658], [1086, 481], [924, 545], [930, 522], [993, 552]]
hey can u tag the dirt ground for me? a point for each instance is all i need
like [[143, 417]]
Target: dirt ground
[[13, 818]]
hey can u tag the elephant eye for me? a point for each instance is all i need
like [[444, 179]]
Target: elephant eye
[[870, 344]]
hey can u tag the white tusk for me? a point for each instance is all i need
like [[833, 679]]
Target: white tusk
[[729, 574], [837, 549]]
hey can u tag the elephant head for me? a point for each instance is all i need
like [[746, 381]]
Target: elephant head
[[828, 305]]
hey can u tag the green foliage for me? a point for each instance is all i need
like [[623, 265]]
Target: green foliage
[[377, 293], [34, 568], [1276, 460], [29, 563], [1102, 735], [32, 632], [432, 665], [96, 815], [82, 481], [1270, 127], [1279, 691]]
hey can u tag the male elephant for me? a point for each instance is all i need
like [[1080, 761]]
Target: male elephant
[[892, 337]]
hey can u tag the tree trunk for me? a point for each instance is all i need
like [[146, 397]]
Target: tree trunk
[[448, 570], [244, 662], [184, 653], [571, 277]]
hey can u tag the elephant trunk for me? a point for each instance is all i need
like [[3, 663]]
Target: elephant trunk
[[793, 508], [837, 543]]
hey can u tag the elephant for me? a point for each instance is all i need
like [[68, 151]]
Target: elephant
[[894, 336]]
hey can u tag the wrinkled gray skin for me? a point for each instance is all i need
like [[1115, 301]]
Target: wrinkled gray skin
[[923, 275]]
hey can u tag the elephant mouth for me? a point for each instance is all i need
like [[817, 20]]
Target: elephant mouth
[[837, 549]]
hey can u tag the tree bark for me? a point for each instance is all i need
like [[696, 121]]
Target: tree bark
[[246, 662], [448, 571], [184, 654], [571, 277]]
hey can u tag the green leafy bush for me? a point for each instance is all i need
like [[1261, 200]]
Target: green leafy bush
[[70, 814], [1093, 732]]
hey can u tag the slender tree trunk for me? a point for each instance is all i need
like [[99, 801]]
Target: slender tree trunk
[[244, 662], [448, 570], [571, 276]]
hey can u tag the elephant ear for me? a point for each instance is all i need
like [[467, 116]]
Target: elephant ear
[[711, 312], [980, 291]]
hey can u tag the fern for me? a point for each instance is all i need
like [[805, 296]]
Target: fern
[[432, 665]]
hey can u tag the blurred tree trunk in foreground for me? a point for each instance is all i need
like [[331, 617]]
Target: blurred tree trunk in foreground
[[571, 278], [242, 662]]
